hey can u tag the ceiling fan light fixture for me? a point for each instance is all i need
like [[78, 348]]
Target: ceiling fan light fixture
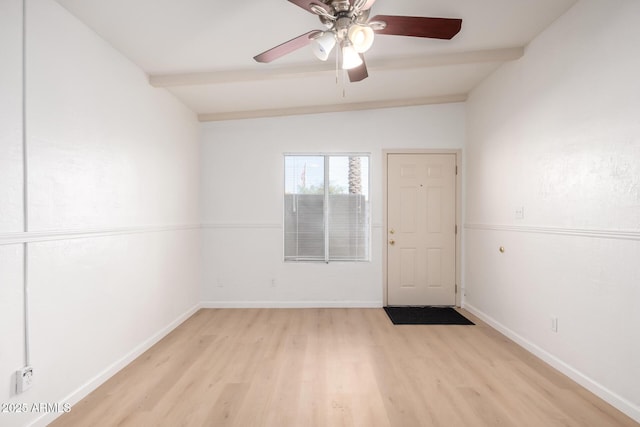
[[350, 57], [361, 36], [323, 45]]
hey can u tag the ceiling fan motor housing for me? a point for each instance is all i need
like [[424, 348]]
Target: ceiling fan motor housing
[[342, 26], [341, 5], [343, 17]]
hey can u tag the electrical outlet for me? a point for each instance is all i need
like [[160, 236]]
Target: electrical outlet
[[24, 379], [520, 212], [554, 323]]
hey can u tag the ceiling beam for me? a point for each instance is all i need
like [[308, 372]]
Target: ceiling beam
[[310, 70], [332, 108]]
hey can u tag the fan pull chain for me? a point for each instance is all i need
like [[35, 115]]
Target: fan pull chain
[[345, 80], [341, 77], [344, 84], [337, 67]]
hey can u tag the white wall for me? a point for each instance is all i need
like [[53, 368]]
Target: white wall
[[557, 132], [113, 183], [11, 342], [242, 197]]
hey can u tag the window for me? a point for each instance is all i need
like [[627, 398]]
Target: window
[[326, 208]]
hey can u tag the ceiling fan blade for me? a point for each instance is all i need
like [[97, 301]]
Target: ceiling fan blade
[[413, 26], [359, 73], [286, 47], [306, 5]]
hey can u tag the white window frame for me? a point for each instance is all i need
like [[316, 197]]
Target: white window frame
[[327, 156]]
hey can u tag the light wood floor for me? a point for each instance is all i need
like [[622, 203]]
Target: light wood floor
[[336, 367]]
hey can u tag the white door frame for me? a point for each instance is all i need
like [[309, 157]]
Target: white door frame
[[458, 197]]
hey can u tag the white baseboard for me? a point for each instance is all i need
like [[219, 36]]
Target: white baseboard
[[291, 304], [596, 388], [103, 376]]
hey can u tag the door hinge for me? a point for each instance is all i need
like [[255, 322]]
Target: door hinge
[[456, 229], [456, 288], [456, 170]]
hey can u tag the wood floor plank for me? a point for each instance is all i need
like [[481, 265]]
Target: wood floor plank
[[337, 367]]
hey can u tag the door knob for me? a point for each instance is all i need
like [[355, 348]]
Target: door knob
[[392, 231], [392, 242]]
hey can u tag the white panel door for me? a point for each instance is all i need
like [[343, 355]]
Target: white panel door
[[421, 212]]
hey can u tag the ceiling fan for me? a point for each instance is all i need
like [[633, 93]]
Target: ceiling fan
[[349, 27]]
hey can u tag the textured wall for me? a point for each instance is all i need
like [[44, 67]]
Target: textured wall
[[557, 133], [246, 157], [113, 183], [11, 116]]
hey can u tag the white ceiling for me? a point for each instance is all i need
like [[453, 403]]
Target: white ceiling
[[202, 51]]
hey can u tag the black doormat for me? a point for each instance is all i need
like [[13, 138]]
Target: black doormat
[[426, 316]]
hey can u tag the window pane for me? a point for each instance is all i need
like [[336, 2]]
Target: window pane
[[348, 208], [304, 174], [304, 208]]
